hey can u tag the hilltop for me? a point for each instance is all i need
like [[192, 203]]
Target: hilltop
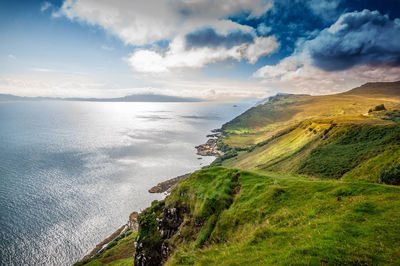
[[304, 180], [263, 121], [377, 88], [334, 136]]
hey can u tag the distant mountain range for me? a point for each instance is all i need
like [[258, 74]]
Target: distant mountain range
[[129, 98]]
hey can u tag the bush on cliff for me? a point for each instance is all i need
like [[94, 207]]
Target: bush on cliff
[[348, 147], [390, 175], [229, 154], [148, 236], [377, 108]]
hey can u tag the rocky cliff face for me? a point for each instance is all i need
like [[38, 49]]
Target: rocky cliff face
[[188, 214], [157, 252]]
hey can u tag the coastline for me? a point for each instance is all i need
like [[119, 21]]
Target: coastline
[[210, 148], [132, 224], [167, 185]]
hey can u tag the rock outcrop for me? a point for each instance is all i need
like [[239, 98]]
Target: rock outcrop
[[167, 186], [210, 148], [168, 223]]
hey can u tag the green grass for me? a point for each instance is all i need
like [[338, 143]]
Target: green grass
[[291, 220], [370, 169], [118, 252], [335, 148], [348, 147], [206, 193], [280, 149], [393, 116], [200, 198]]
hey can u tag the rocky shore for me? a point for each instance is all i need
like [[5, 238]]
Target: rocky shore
[[168, 185], [210, 148], [131, 224], [170, 223]]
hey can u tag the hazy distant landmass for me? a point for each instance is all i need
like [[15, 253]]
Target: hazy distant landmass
[[129, 98]]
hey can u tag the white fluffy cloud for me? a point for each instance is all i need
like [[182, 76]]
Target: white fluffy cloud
[[142, 22], [150, 61], [326, 9], [45, 6], [261, 46]]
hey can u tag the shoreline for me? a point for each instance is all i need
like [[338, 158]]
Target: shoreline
[[210, 148], [131, 224], [167, 185]]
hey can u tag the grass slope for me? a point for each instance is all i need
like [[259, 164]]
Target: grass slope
[[331, 136], [264, 121], [278, 219], [349, 147], [118, 252]]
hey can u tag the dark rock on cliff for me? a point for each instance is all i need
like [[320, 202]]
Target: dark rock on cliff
[[168, 224], [156, 224], [150, 247], [167, 185]]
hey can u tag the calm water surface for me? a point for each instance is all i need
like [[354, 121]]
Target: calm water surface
[[72, 172]]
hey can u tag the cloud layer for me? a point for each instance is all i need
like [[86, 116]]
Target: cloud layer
[[177, 57], [359, 47], [330, 51], [142, 22], [208, 37], [366, 37], [198, 32]]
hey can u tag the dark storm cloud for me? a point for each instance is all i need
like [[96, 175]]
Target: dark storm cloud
[[366, 37], [208, 37]]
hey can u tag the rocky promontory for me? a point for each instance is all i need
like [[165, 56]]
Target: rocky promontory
[[210, 148], [168, 185]]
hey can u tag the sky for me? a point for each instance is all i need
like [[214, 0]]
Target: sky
[[211, 49]]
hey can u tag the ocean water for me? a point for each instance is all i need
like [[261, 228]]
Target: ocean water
[[72, 172]]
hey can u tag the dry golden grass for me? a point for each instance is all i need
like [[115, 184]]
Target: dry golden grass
[[264, 121]]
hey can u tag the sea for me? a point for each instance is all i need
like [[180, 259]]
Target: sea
[[72, 172]]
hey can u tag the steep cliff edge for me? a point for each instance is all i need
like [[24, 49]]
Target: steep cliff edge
[[222, 216], [188, 214]]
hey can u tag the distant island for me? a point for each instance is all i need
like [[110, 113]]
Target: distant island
[[129, 98]]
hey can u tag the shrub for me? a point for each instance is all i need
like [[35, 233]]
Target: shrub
[[390, 175], [380, 107], [343, 192], [229, 154], [276, 191], [206, 231]]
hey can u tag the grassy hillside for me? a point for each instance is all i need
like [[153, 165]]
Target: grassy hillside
[[330, 136], [305, 180], [236, 217], [264, 121]]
